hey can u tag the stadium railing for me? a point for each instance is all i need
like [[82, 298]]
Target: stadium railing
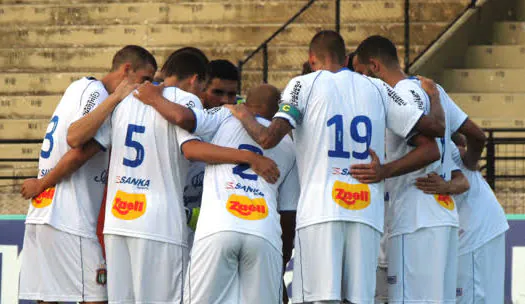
[[263, 47]]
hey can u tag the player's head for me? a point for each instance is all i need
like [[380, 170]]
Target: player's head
[[222, 79], [375, 56], [134, 63], [327, 51], [263, 100], [306, 68], [350, 61], [460, 140], [159, 76], [185, 70]]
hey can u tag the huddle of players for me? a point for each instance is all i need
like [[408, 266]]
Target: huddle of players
[[339, 121]]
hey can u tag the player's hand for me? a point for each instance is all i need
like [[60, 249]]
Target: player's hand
[[432, 184], [149, 93], [368, 173], [31, 188], [429, 86], [124, 88], [240, 111], [265, 168]]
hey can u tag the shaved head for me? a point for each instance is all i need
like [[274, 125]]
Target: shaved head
[[328, 45], [264, 100]]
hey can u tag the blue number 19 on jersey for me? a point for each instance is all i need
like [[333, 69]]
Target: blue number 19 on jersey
[[366, 138]]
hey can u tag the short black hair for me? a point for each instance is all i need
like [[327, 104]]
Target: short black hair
[[350, 66], [222, 69], [307, 69], [184, 64], [328, 44], [138, 56], [377, 47]]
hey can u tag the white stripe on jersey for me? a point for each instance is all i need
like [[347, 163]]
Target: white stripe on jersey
[[337, 118], [235, 198], [147, 171], [73, 204]]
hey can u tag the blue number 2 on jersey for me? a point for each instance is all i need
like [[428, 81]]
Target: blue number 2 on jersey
[[339, 151], [239, 169], [139, 158], [49, 137]]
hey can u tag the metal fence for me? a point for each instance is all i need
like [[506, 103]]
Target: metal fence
[[504, 167], [403, 21]]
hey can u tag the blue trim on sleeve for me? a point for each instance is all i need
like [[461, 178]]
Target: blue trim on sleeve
[[195, 126], [101, 145]]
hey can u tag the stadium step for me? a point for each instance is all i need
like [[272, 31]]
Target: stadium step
[[17, 129], [495, 56], [490, 104], [517, 121], [484, 80], [509, 33], [19, 151], [19, 169], [28, 106], [203, 35], [39, 83], [224, 12]]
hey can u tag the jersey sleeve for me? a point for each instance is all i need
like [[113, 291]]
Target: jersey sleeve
[[401, 115], [207, 122], [184, 136], [190, 101], [410, 92], [289, 191], [456, 116], [93, 95], [293, 99], [103, 136]]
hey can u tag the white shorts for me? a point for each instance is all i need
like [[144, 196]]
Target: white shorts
[[144, 271], [335, 261], [422, 266], [481, 274], [59, 266], [232, 267]]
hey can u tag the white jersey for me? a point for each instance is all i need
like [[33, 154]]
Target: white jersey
[[73, 204], [337, 118], [481, 217], [410, 208], [147, 171], [234, 197]]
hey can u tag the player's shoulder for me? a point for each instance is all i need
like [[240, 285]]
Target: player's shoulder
[[410, 88], [81, 85], [182, 97]]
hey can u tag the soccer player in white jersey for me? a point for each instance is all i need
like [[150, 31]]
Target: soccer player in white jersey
[[416, 220], [482, 222], [337, 118], [145, 218], [62, 259], [237, 255]]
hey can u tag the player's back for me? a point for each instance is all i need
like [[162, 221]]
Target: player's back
[[481, 217], [73, 204], [410, 208], [343, 117], [147, 171], [236, 199]]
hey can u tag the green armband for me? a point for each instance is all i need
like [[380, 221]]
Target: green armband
[[291, 110], [194, 217]]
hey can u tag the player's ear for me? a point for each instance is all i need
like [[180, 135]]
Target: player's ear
[[126, 68], [374, 65]]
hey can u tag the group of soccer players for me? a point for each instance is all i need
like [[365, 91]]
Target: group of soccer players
[[205, 197]]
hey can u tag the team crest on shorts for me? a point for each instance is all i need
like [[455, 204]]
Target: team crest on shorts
[[102, 275], [392, 280], [459, 292]]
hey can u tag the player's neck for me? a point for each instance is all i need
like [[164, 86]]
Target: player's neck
[[111, 81], [332, 67], [392, 77]]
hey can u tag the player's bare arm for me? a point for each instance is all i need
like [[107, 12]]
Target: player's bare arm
[[84, 129], [266, 137], [151, 94], [426, 152], [68, 164], [476, 140], [432, 124], [435, 184], [196, 150]]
